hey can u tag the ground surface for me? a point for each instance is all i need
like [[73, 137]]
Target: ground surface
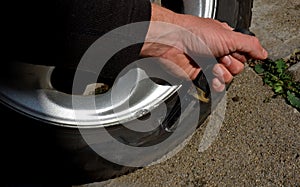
[[259, 142]]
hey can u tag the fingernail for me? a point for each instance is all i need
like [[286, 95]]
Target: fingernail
[[216, 83], [265, 53], [226, 61], [218, 71]]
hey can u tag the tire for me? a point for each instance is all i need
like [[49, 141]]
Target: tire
[[64, 155], [236, 13], [59, 150]]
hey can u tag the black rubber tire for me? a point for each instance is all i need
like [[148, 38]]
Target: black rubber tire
[[237, 13]]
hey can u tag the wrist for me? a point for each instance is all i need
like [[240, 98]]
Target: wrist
[[162, 14]]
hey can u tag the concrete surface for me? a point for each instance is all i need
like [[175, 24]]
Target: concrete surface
[[294, 69], [259, 142], [276, 23]]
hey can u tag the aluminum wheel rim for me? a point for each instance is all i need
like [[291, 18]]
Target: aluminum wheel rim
[[201, 8], [27, 89]]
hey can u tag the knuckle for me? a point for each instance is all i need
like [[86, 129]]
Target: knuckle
[[225, 24], [255, 40], [229, 79]]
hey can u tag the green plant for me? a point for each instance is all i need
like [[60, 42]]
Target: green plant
[[274, 74]]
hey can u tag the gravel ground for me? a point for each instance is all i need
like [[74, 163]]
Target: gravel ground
[[259, 142]]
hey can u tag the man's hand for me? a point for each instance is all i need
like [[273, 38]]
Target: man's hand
[[230, 48]]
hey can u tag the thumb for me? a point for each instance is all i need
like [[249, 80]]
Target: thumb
[[250, 45]]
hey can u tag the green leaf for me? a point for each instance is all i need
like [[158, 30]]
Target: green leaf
[[275, 75], [259, 68], [281, 66], [278, 89], [295, 101], [286, 76]]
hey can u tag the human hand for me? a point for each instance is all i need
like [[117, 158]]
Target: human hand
[[230, 48]]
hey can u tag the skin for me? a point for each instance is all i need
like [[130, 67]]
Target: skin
[[231, 49]]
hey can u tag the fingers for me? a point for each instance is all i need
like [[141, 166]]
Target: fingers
[[232, 64], [250, 45], [194, 73], [239, 57], [224, 75], [217, 85]]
